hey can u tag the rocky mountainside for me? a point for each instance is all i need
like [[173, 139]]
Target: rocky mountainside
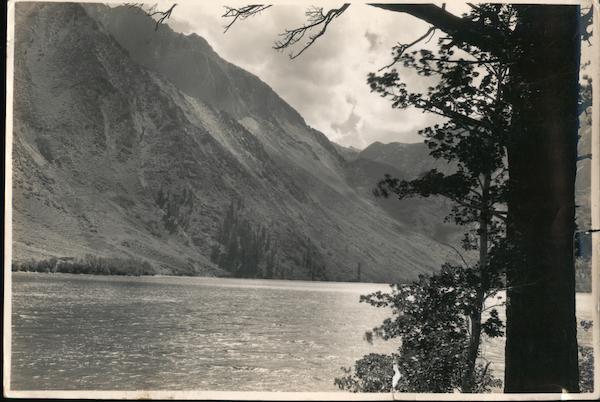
[[142, 144], [411, 159], [405, 161], [408, 161]]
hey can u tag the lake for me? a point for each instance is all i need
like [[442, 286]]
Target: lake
[[181, 333]]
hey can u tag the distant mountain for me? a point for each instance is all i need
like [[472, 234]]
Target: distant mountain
[[142, 144], [348, 153], [408, 161], [404, 161], [411, 159]]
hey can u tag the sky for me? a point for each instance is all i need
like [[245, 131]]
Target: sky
[[327, 83]]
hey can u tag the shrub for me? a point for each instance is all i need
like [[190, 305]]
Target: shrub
[[432, 319], [586, 363], [371, 373], [90, 264]]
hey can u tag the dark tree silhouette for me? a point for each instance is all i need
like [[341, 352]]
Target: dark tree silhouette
[[469, 92], [541, 348]]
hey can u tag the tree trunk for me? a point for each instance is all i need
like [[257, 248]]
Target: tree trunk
[[541, 345], [468, 380]]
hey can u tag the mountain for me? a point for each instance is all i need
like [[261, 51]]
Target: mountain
[[348, 153], [405, 161], [133, 143], [411, 159]]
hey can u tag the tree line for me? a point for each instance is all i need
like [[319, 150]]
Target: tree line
[[90, 264], [250, 250]]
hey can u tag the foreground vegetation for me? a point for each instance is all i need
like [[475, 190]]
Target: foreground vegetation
[[87, 265], [374, 372]]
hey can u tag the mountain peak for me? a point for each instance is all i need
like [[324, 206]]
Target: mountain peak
[[134, 143], [191, 64]]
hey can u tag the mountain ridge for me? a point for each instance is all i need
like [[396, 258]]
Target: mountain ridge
[[113, 158]]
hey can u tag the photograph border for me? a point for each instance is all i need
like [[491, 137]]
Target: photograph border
[[328, 396]]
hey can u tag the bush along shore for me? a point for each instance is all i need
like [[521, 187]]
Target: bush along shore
[[87, 265]]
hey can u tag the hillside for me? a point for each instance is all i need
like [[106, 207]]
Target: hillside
[[135, 143], [405, 161]]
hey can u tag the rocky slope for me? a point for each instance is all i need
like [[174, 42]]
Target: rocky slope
[[408, 161], [133, 143], [405, 161]]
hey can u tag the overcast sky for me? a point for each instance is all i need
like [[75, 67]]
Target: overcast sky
[[327, 83]]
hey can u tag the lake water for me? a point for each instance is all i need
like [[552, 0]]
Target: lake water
[[98, 332], [179, 333]]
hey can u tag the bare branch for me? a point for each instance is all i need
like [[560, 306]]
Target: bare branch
[[243, 12], [159, 16], [582, 157], [465, 62], [316, 18], [401, 48], [500, 215], [586, 22], [494, 306], [486, 38], [457, 252]]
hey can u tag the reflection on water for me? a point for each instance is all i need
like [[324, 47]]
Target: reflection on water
[[181, 333], [87, 332]]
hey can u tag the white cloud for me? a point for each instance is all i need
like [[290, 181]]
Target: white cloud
[[327, 83]]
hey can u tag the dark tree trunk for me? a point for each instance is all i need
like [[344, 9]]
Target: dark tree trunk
[[541, 346]]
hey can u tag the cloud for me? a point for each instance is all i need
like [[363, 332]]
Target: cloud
[[350, 125], [327, 83], [179, 25], [373, 39]]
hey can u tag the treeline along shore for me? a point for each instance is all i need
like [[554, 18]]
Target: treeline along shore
[[95, 265], [89, 264]]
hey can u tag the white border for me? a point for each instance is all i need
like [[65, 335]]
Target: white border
[[295, 396], [8, 134]]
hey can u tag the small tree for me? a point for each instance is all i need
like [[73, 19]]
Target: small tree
[[432, 318], [440, 318]]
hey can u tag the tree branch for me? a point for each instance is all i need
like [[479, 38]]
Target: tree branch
[[315, 18], [158, 15], [462, 30], [401, 48], [457, 252], [582, 157], [586, 22], [242, 13]]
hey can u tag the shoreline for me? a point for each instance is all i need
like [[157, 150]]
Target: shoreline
[[94, 275]]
